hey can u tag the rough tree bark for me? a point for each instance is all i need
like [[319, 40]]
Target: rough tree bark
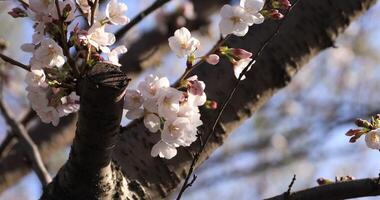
[[89, 172], [311, 27]]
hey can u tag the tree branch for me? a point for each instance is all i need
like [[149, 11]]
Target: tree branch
[[157, 4], [14, 62], [89, 169], [340, 190], [305, 34], [30, 148]]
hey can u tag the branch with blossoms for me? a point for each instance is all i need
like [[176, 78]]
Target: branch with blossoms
[[148, 146], [63, 53]]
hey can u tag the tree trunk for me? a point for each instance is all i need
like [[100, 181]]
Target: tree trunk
[[89, 173]]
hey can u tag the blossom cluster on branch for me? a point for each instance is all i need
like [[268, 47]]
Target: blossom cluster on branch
[[63, 52]]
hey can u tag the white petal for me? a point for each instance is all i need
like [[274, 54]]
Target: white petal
[[163, 150]]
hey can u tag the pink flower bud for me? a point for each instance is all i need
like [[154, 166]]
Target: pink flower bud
[[276, 15], [241, 53], [17, 12], [214, 105], [285, 4], [212, 59]]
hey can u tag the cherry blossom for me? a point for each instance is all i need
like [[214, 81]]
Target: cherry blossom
[[235, 20], [168, 102], [113, 56], [69, 104], [49, 115], [36, 78], [196, 94], [100, 39], [372, 139], [151, 85], [240, 65], [212, 59], [133, 100], [152, 122], [254, 7], [115, 12], [49, 54], [84, 6], [163, 150], [182, 43], [179, 132]]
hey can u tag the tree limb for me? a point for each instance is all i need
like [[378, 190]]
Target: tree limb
[[312, 27], [340, 190], [30, 148]]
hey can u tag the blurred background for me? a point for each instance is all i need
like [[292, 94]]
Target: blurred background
[[299, 131]]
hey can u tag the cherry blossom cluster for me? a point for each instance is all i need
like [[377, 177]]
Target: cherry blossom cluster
[[173, 112], [371, 130], [237, 19], [62, 52]]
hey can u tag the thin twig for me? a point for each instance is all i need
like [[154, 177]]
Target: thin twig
[[287, 193], [29, 146], [6, 143], [10, 139], [23, 3], [94, 7], [227, 101], [14, 62], [157, 4], [213, 50], [63, 34]]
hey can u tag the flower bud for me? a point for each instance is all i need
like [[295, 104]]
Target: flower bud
[[241, 53], [212, 105], [66, 11], [323, 181], [363, 123], [276, 15], [18, 12], [212, 59]]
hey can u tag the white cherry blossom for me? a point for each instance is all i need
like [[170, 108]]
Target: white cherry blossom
[[113, 56], [163, 150], [37, 97], [100, 39], [70, 104], [196, 94], [49, 54], [115, 12], [84, 6], [254, 7], [240, 65], [133, 100], [152, 122], [179, 132], [182, 43], [235, 20], [135, 114], [372, 139], [36, 78], [49, 115], [150, 87], [168, 102]]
